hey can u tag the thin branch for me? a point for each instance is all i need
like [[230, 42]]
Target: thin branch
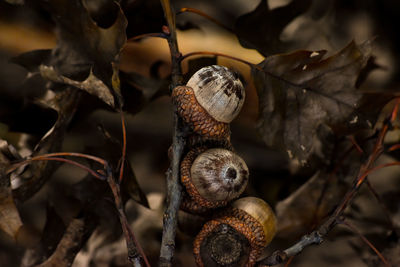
[[135, 251], [289, 261], [317, 236], [74, 154], [356, 145], [74, 239], [366, 241], [77, 164], [146, 35], [123, 156], [201, 13], [302, 86], [199, 53], [174, 188], [381, 203], [394, 147], [252, 65]]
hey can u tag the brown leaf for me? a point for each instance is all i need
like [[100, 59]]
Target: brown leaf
[[92, 84], [82, 44], [83, 48], [48, 243], [111, 151], [261, 28], [36, 175], [298, 212], [10, 221], [300, 91]]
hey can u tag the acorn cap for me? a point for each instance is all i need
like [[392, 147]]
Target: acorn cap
[[219, 174], [261, 211], [219, 91], [197, 117]]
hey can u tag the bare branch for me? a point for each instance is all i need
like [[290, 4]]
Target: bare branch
[[174, 189]]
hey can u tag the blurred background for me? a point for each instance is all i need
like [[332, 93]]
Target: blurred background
[[313, 25]]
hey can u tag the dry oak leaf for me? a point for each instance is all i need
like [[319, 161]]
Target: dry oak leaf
[[10, 221], [299, 92]]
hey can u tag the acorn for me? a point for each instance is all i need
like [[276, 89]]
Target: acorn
[[236, 237], [212, 178], [211, 99]]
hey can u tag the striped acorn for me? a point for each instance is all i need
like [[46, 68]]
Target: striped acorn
[[211, 99], [212, 178]]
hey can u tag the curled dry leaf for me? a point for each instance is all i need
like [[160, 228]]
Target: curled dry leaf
[[10, 221], [84, 50], [65, 103], [300, 91], [92, 84]]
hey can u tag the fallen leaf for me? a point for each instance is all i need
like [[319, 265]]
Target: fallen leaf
[[48, 243], [92, 84], [84, 50], [10, 221], [261, 28], [111, 151], [300, 211], [300, 91], [81, 44], [36, 175]]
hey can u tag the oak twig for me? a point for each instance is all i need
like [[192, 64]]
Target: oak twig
[[174, 189], [204, 15], [135, 252], [317, 236], [74, 239], [366, 241]]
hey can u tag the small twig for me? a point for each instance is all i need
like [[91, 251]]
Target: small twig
[[201, 13], [74, 238], [74, 154], [252, 65], [289, 261], [199, 53], [366, 241], [77, 164], [394, 147], [316, 237], [381, 203], [123, 156], [146, 35], [174, 188], [356, 145], [135, 251], [280, 256]]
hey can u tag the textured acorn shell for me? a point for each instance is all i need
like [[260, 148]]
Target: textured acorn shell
[[261, 212], [249, 216], [197, 117], [201, 171], [219, 91], [219, 174]]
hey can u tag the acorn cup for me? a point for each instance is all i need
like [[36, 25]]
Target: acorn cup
[[211, 99], [236, 237], [212, 178]]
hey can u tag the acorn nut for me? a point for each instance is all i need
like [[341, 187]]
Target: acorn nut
[[238, 236], [212, 178], [211, 99]]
